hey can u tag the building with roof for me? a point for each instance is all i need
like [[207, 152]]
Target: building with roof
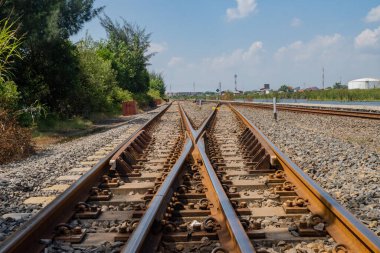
[[364, 83]]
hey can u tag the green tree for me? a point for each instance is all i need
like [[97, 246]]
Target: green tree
[[285, 88], [339, 86], [127, 48], [98, 91], [49, 70], [156, 82]]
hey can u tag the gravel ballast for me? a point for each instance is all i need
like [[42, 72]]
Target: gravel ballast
[[342, 154], [196, 112], [26, 178]]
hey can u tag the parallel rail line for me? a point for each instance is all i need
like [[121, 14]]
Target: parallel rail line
[[205, 190], [341, 224], [375, 115]]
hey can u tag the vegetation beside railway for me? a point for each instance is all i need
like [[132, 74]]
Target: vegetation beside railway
[[45, 78], [317, 95], [322, 95]]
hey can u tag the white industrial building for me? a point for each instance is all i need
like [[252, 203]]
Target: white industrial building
[[364, 83]]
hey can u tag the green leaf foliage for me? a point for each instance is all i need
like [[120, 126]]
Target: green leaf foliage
[[155, 94], [49, 71], [8, 95], [74, 79], [127, 48], [330, 94], [98, 91], [156, 82], [9, 44]]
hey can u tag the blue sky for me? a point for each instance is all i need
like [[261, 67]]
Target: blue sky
[[263, 41]]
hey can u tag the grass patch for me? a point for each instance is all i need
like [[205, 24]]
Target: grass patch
[[53, 124], [101, 116], [333, 94], [52, 130]]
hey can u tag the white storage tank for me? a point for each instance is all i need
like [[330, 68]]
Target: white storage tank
[[364, 83]]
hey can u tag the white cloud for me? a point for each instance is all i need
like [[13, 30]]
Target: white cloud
[[157, 47], [368, 39], [175, 61], [373, 15], [298, 63], [237, 56], [301, 51], [243, 9], [296, 22], [253, 50]]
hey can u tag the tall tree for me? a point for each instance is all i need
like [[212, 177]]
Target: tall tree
[[98, 91], [49, 71], [127, 48]]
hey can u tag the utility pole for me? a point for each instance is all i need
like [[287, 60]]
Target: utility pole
[[235, 82], [323, 78], [194, 87]]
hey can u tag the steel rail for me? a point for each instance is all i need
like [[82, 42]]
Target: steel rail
[[344, 227], [319, 110], [157, 206], [237, 230], [192, 132], [311, 109], [196, 133], [137, 241], [42, 225], [205, 123]]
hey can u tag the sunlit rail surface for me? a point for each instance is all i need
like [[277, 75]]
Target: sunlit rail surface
[[196, 178]]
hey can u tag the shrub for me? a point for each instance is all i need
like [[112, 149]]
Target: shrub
[[155, 94], [99, 91], [156, 82], [15, 141], [8, 95], [143, 100]]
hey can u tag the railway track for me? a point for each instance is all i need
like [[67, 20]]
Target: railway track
[[199, 112], [223, 187], [375, 115]]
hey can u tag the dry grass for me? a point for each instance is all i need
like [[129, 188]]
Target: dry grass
[[15, 141], [42, 142]]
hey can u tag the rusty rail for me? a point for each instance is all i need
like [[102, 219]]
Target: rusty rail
[[27, 238], [236, 230], [311, 109], [342, 225], [137, 242], [195, 134]]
